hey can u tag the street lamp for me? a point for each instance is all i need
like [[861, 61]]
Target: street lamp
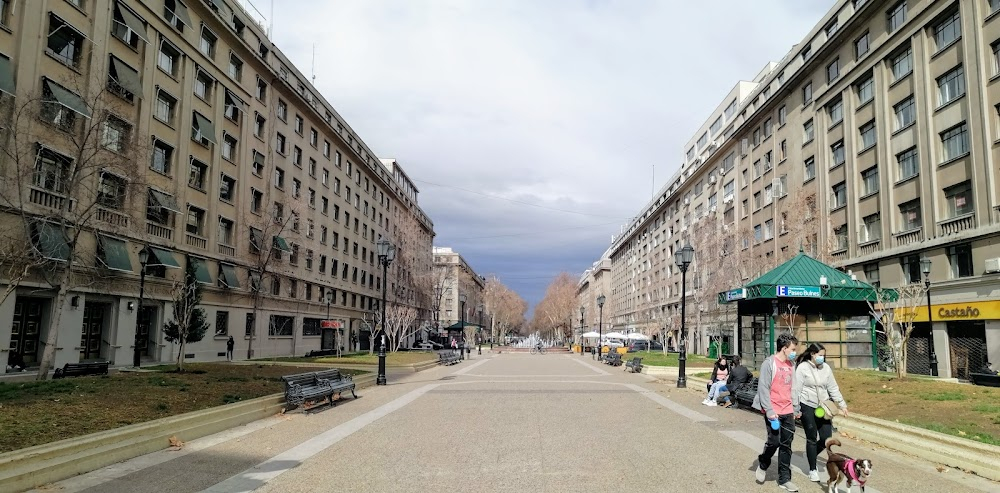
[[461, 349], [683, 258], [480, 338], [600, 324], [581, 330], [386, 254], [925, 267], [143, 258], [329, 299]]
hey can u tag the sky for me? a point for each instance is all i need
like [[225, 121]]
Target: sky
[[534, 130]]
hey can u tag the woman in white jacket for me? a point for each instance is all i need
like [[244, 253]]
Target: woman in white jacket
[[814, 384]]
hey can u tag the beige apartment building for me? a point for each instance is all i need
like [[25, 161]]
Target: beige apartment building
[[454, 277], [594, 282], [179, 129], [872, 144]]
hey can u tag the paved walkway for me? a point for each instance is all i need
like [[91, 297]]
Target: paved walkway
[[504, 423]]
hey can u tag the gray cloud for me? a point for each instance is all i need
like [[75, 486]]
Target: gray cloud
[[564, 104]]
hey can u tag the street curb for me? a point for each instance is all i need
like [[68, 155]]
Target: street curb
[[47, 463], [969, 455]]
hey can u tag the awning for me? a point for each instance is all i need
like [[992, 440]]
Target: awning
[[126, 76], [233, 100], [257, 238], [115, 254], [51, 242], [159, 256], [181, 11], [200, 270], [165, 201], [227, 276], [204, 127], [137, 25], [67, 98], [281, 244], [258, 158], [6, 76]]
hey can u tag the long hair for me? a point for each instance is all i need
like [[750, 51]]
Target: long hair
[[808, 353]]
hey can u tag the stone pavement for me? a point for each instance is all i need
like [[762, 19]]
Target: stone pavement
[[501, 423]]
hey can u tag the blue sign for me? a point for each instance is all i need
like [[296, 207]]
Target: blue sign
[[799, 292], [736, 294]]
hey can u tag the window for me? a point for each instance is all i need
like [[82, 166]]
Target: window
[[756, 137], [65, 42], [221, 323], [768, 229], [768, 194], [729, 188], [758, 234], [176, 14], [322, 239], [168, 58], [869, 181], [807, 93], [162, 154], [202, 130], [959, 199], [906, 113], [951, 86], [731, 109], [902, 64], [865, 89], [807, 131], [297, 156], [960, 260], [782, 116], [123, 80], [840, 238], [165, 105], [871, 229], [203, 86], [810, 169], [837, 153], [871, 274], [111, 193], [195, 221], [861, 46], [994, 5], [256, 201], [207, 42], [325, 177], [947, 30], [258, 163], [229, 144], [226, 230], [908, 162], [806, 52], [258, 125], [280, 326], [909, 213], [299, 124], [119, 28], [716, 126], [833, 70], [282, 110], [54, 109], [227, 188], [896, 16], [313, 137], [836, 111], [868, 137], [838, 197], [279, 144], [115, 134], [312, 197], [196, 178], [955, 142], [159, 206], [768, 128], [831, 28], [336, 186], [911, 268], [326, 204], [279, 177], [261, 89], [235, 67], [783, 150], [326, 151], [996, 56]]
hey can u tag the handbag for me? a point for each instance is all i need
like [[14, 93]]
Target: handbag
[[829, 407]]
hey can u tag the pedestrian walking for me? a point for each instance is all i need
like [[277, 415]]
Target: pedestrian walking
[[780, 407], [230, 344], [814, 385]]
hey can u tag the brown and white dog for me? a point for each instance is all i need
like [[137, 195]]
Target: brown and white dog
[[840, 467]]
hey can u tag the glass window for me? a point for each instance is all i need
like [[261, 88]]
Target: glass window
[[833, 70], [207, 42], [836, 111], [838, 197], [871, 228], [869, 180], [896, 16], [908, 162], [906, 113], [161, 157], [951, 86], [865, 90], [807, 93], [955, 142], [909, 213], [837, 153], [872, 274], [947, 30], [861, 45], [807, 131], [868, 137], [960, 260], [911, 268], [810, 169], [902, 64], [227, 188], [959, 199], [235, 67]]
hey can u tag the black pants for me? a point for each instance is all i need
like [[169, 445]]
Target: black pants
[[815, 427], [229, 354], [780, 441]]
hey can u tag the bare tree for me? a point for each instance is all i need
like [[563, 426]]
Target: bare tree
[[895, 310], [16, 261], [189, 324], [554, 313], [84, 180]]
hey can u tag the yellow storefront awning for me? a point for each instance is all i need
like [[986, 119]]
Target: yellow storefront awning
[[952, 312]]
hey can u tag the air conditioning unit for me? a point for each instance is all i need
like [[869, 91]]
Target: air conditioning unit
[[713, 146], [992, 265], [687, 201], [728, 199], [712, 179]]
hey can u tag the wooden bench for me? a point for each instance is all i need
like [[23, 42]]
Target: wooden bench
[[309, 387], [634, 366], [448, 358], [613, 358], [985, 379], [745, 393], [82, 369], [321, 352]]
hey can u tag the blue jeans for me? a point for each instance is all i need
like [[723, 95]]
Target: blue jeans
[[713, 392]]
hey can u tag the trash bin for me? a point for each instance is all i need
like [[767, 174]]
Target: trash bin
[[713, 350]]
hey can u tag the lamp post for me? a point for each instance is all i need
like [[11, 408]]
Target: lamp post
[[683, 258], [925, 266], [600, 324], [479, 342], [143, 258], [461, 349], [581, 330], [329, 300], [386, 254]]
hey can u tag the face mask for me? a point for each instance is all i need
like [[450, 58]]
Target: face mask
[[791, 355], [722, 366], [820, 360]]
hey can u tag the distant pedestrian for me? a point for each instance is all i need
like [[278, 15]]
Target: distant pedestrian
[[988, 369], [780, 407], [815, 384], [454, 343], [230, 344]]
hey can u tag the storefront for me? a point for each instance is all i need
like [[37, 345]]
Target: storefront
[[965, 335]]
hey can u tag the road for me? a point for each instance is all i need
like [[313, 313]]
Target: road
[[501, 423]]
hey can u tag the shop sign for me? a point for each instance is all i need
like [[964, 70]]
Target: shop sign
[[798, 291], [947, 312], [736, 294]]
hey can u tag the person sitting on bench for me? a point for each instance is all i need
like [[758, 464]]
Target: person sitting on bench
[[739, 376], [719, 376], [988, 369]]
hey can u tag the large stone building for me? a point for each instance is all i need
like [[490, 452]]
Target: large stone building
[[180, 127], [454, 277], [872, 144]]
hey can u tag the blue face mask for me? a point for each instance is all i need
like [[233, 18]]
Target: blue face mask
[[791, 355], [820, 360]]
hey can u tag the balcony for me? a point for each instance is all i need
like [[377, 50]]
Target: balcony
[[869, 247], [195, 241], [112, 217], [957, 224], [45, 198], [159, 231], [907, 237], [227, 250]]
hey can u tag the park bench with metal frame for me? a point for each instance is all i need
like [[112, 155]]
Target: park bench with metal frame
[[448, 358], [82, 369], [634, 366], [613, 358], [745, 393], [984, 379], [310, 387]]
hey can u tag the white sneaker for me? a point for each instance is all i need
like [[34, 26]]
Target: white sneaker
[[712, 403], [789, 486], [704, 402], [760, 475], [814, 476]]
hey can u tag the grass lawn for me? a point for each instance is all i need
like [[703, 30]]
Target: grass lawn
[[657, 358], [400, 358], [33, 413]]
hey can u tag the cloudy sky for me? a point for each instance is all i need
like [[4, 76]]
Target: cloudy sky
[[532, 128]]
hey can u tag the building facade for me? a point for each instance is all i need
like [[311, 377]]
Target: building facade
[[455, 277], [872, 144], [181, 128]]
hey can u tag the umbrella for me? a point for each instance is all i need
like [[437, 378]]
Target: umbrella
[[591, 334], [614, 335], [635, 336]]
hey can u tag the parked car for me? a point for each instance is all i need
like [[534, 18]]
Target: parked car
[[428, 346], [644, 346]]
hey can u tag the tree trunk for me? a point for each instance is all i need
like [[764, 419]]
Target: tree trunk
[[52, 337], [180, 354]]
